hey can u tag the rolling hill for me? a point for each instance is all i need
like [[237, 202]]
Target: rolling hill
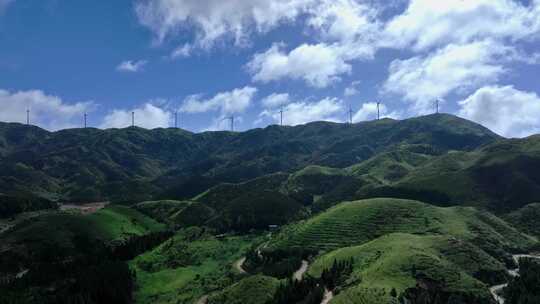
[[358, 222], [407, 263]]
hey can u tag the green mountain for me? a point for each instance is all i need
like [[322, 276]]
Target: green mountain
[[135, 164], [423, 210], [498, 176]]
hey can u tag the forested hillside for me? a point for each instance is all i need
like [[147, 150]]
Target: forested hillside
[[429, 210], [137, 164]]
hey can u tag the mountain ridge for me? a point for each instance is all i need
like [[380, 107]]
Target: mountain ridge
[[92, 164]]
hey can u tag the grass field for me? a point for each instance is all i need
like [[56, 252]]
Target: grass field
[[188, 266], [116, 222], [256, 289]]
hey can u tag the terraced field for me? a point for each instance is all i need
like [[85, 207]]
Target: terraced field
[[355, 223]]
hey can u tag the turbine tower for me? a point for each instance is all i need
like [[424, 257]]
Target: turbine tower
[[378, 110], [28, 116], [437, 106], [176, 120], [281, 116], [85, 117], [350, 114], [133, 118], [231, 118]]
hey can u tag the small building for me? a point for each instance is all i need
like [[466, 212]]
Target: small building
[[273, 227]]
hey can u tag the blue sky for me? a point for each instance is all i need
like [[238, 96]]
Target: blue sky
[[210, 59]]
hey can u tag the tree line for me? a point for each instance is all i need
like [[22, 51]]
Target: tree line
[[311, 290], [98, 273], [525, 288]]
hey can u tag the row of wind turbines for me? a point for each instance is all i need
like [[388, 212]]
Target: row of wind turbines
[[231, 118]]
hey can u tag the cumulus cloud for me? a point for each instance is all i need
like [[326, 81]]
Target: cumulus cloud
[[182, 51], [346, 21], [232, 102], [352, 89], [276, 100], [368, 111], [216, 19], [327, 109], [422, 79], [426, 23], [46, 111], [503, 109], [147, 116], [131, 66], [346, 30], [319, 65]]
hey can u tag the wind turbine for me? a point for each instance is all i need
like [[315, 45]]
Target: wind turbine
[[133, 118], [350, 114], [85, 117], [281, 116], [378, 110], [437, 105], [28, 116], [176, 119], [231, 118]]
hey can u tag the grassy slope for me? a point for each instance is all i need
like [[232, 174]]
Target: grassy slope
[[387, 263], [188, 266], [391, 166], [498, 176], [58, 235], [256, 289], [527, 219], [354, 223], [219, 196], [116, 222]]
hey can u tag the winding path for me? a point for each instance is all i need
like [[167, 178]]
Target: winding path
[[328, 295], [299, 274], [203, 300], [495, 290], [238, 265]]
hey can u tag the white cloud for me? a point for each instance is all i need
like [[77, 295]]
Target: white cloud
[[131, 66], [147, 116], [422, 79], [319, 65], [276, 100], [217, 19], [368, 111], [347, 30], [504, 109], [426, 23], [352, 89], [46, 111], [235, 101], [182, 51], [328, 109], [346, 21]]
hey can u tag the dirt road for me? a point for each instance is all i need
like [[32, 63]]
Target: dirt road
[[496, 290], [299, 274]]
